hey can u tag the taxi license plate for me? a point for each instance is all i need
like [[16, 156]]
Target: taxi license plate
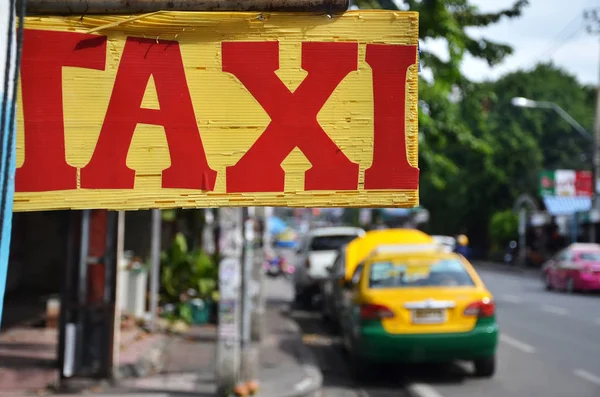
[[428, 316]]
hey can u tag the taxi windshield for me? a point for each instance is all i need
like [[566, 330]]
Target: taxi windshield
[[432, 273]]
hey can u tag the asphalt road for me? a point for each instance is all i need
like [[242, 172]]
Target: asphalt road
[[549, 346]]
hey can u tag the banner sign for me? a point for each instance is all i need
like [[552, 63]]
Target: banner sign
[[568, 183], [192, 109]]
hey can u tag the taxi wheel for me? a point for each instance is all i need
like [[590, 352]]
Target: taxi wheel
[[485, 367], [360, 370]]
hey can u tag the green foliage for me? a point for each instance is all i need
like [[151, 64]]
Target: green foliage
[[477, 152], [351, 216], [504, 226], [183, 269], [183, 311]]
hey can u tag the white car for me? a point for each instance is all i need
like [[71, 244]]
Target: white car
[[316, 252], [446, 242]]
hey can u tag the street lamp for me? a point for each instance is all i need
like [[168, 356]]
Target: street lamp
[[521, 102], [530, 103]]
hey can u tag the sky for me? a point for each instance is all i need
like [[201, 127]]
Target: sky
[[547, 30]]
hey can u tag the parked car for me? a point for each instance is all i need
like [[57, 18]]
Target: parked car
[[316, 253], [415, 307], [358, 249], [349, 256], [575, 268]]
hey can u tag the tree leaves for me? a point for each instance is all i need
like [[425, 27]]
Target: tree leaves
[[477, 152]]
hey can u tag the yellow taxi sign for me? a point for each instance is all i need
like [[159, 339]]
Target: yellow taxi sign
[[403, 249], [359, 248], [209, 109]]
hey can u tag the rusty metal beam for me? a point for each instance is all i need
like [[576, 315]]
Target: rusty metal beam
[[81, 7]]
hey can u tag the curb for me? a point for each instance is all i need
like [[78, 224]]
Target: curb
[[313, 381]]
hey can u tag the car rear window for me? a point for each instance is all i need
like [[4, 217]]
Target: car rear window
[[330, 243], [441, 273], [590, 256]]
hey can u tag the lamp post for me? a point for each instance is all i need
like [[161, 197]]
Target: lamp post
[[529, 103]]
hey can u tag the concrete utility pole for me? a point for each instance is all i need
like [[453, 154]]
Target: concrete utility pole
[[228, 332], [258, 300], [249, 353], [592, 18]]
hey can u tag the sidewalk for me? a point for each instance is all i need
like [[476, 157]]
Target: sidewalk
[[287, 368], [29, 365]]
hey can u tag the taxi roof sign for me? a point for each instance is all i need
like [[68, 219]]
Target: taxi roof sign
[[403, 248]]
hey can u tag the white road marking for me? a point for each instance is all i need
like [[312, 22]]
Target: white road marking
[[466, 367], [583, 374], [511, 298], [363, 393], [422, 390], [303, 384], [554, 310], [517, 344]]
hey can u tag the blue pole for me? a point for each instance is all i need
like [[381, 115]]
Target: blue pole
[[8, 89], [7, 159]]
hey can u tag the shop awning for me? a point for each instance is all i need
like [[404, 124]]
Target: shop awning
[[560, 205]]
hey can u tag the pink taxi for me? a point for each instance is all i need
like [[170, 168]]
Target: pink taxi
[[576, 268]]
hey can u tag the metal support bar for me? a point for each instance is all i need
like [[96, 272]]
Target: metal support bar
[[82, 281], [83, 7], [118, 303], [154, 275], [110, 272]]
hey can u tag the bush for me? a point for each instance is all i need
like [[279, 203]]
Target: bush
[[184, 270], [504, 227]]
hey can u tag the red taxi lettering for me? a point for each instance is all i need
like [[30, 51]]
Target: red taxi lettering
[[141, 59], [293, 116], [44, 55], [390, 168]]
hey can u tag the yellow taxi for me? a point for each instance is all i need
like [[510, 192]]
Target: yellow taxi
[[406, 305], [360, 247], [350, 255]]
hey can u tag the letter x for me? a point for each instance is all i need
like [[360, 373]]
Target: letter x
[[293, 116]]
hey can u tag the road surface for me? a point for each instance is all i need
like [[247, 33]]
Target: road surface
[[549, 346]]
